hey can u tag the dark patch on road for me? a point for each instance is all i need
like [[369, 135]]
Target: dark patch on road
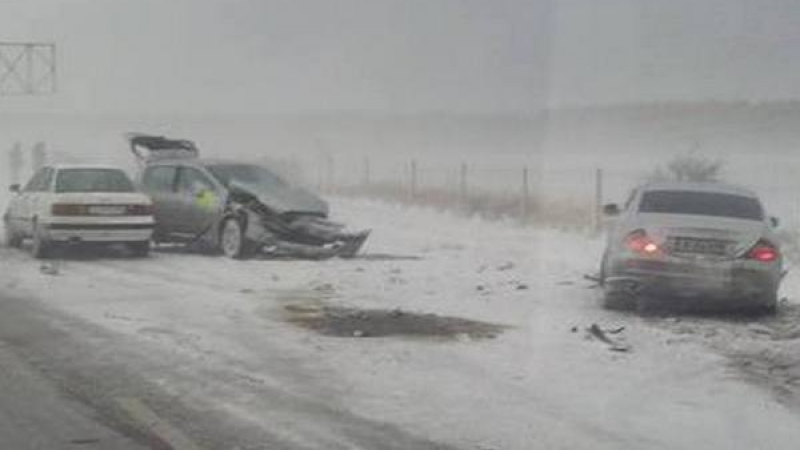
[[354, 322]]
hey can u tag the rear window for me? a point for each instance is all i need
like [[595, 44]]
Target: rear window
[[93, 180], [701, 204]]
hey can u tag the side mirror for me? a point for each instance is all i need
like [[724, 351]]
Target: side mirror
[[15, 188], [611, 210], [774, 221]]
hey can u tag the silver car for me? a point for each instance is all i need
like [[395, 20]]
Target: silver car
[[710, 244]]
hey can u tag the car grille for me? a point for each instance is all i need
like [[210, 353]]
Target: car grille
[[698, 246]]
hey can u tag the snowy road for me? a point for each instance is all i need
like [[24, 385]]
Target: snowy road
[[202, 344]]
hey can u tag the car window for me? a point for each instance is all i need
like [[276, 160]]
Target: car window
[[701, 204], [193, 181], [93, 180], [160, 179]]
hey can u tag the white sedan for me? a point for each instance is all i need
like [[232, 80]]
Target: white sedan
[[79, 204]]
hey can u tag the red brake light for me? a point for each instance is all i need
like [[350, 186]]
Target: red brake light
[[639, 242], [764, 252]]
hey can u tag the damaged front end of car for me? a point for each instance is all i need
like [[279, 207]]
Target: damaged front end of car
[[290, 234]]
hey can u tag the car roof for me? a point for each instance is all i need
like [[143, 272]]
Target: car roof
[[719, 188]]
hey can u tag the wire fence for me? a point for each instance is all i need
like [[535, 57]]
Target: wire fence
[[524, 192], [560, 192]]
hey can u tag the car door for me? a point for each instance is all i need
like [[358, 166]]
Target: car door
[[159, 182], [199, 205]]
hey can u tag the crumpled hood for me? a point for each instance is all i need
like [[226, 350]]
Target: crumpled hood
[[284, 199]]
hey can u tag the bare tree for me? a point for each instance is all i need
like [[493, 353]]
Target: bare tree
[[689, 168]]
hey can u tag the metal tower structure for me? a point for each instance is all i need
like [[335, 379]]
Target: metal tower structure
[[27, 68]]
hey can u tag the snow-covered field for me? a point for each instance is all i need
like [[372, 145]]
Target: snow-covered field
[[686, 383]]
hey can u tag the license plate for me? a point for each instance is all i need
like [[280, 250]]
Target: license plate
[[698, 246], [107, 210]]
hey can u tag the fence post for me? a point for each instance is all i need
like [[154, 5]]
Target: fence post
[[598, 201], [365, 181], [462, 186], [320, 178], [525, 201], [412, 192]]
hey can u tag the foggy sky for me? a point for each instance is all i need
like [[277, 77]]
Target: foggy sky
[[269, 56]]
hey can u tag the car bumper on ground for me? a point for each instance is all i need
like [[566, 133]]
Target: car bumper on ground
[[721, 281]]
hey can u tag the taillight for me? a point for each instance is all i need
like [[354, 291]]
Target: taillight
[[67, 209], [640, 243], [140, 210], [764, 251]]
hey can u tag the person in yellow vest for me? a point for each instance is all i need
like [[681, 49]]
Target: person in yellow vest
[[207, 200]]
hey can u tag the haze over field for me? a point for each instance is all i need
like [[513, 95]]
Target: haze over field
[[442, 82], [505, 56]]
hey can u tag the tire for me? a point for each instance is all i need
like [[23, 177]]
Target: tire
[[139, 249], [767, 305], [41, 248], [619, 300], [232, 240]]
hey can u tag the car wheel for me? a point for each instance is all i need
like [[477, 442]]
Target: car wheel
[[767, 305], [619, 299], [233, 241], [42, 247], [139, 249]]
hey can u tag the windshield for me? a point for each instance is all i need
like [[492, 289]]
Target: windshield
[[93, 180], [701, 204], [246, 174]]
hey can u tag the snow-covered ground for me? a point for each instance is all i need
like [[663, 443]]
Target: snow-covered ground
[[542, 383]]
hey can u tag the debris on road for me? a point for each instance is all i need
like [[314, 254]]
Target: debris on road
[[506, 266], [593, 278], [50, 268], [616, 345]]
